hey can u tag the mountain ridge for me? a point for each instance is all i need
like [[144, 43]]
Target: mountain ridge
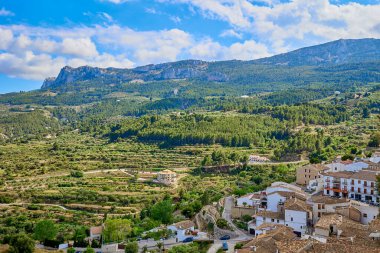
[[331, 53]]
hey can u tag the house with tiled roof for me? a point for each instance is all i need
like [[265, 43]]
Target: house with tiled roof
[[298, 215], [309, 172], [361, 185]]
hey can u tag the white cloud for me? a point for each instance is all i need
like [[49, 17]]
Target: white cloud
[[285, 25], [231, 33], [79, 47], [4, 12], [6, 38], [211, 50]]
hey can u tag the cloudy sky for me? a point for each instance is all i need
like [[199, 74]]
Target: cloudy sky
[[39, 37]]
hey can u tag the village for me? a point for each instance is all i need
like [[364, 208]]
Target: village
[[330, 207]]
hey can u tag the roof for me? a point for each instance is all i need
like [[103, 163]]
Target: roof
[[329, 219], [297, 205], [289, 194], [374, 226], [251, 196], [315, 167], [328, 200], [96, 230], [267, 242], [366, 175], [266, 225], [374, 235], [340, 174], [186, 224], [269, 214], [166, 172], [346, 162], [362, 175]]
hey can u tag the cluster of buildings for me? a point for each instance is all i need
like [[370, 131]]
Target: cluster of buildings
[[337, 201]]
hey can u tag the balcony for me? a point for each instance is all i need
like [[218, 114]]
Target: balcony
[[336, 189]]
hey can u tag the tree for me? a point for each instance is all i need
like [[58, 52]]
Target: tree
[[21, 243], [374, 140], [132, 247], [187, 248], [366, 112], [79, 237], [70, 250], [163, 211], [144, 249], [45, 230], [159, 245], [89, 250], [116, 230], [222, 223]]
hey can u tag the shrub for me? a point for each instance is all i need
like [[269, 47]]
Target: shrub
[[222, 223], [132, 247], [21, 243], [76, 173]]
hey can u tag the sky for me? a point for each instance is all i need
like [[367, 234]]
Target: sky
[[39, 37]]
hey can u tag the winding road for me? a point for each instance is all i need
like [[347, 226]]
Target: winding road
[[242, 236]]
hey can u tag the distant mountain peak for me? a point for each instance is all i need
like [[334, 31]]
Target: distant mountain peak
[[334, 52]]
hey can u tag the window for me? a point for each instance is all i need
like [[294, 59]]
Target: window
[[264, 219], [352, 181], [315, 177], [365, 191], [323, 206], [278, 221], [365, 183], [272, 220], [359, 190], [291, 219], [301, 227], [372, 184], [352, 189], [328, 192], [371, 192], [319, 214], [364, 215], [286, 224], [319, 206], [305, 170], [359, 181], [305, 175]]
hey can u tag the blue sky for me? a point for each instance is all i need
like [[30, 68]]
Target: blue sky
[[39, 37]]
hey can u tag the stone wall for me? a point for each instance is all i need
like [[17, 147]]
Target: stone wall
[[238, 212]]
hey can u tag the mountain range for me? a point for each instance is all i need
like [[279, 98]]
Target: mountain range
[[340, 52]]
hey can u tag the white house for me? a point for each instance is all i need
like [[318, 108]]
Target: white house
[[355, 167], [368, 212], [322, 205], [297, 215], [265, 217], [276, 199], [249, 200], [281, 186], [360, 185], [338, 166], [182, 229]]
